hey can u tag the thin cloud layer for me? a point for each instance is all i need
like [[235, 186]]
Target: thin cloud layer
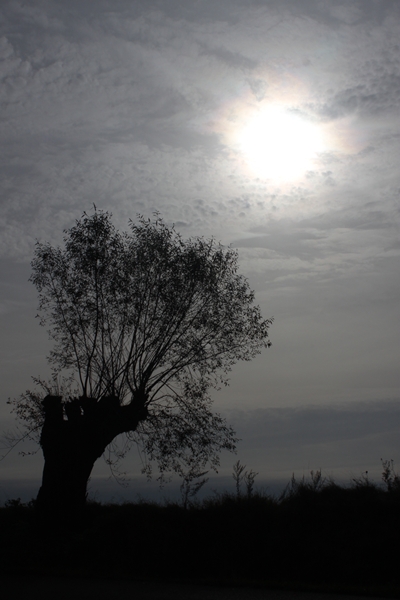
[[127, 104]]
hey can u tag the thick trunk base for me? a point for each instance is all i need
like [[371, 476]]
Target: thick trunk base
[[62, 497], [74, 435]]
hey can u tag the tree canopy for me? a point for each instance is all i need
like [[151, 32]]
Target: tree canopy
[[152, 321]]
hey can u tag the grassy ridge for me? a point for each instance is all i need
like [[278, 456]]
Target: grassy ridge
[[318, 535]]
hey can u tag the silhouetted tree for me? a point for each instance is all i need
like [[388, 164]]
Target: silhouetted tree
[[144, 324]]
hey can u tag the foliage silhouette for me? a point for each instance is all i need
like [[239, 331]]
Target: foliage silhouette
[[192, 484], [247, 477], [144, 324], [390, 477]]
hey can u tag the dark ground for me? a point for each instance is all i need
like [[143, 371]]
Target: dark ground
[[90, 589], [317, 539]]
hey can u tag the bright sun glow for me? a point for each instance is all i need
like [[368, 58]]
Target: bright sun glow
[[280, 145]]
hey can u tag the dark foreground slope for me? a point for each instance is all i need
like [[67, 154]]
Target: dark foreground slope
[[331, 538]]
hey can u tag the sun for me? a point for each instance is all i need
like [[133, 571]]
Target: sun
[[278, 144]]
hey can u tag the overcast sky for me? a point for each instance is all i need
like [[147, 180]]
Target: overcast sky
[[273, 125]]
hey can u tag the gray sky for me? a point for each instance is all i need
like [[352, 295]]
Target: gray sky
[[273, 125]]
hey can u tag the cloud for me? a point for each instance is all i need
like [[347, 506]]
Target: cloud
[[379, 96], [341, 440], [283, 427], [109, 101], [286, 239], [89, 95], [232, 59]]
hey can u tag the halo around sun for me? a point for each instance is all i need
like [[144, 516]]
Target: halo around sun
[[276, 143]]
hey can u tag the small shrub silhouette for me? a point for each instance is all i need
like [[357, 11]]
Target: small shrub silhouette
[[390, 477]]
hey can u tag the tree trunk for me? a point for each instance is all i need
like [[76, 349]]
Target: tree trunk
[[72, 445]]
